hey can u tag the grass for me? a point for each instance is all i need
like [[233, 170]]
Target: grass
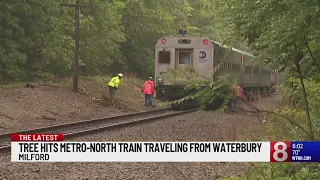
[[128, 97]]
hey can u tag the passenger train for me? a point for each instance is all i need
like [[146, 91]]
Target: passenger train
[[203, 55]]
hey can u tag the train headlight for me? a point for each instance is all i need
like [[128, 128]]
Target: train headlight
[[205, 41], [159, 80]]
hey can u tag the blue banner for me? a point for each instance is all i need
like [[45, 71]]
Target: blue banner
[[305, 151]]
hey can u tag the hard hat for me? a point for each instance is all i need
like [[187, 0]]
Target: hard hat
[[150, 77], [120, 74]]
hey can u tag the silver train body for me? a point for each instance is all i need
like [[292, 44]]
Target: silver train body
[[203, 56]]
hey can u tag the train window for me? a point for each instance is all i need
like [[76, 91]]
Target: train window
[[184, 57], [164, 57], [256, 71]]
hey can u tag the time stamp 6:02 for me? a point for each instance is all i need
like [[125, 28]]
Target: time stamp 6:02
[[287, 152]]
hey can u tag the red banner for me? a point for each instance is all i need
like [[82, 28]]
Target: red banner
[[36, 137]]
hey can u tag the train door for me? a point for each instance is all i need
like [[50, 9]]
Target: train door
[[164, 59], [183, 59]]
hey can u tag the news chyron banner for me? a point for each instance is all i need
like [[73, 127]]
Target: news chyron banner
[[52, 148]]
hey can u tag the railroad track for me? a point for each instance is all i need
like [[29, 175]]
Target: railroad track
[[77, 129]]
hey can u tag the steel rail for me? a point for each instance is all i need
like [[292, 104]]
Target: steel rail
[[53, 129], [114, 126]]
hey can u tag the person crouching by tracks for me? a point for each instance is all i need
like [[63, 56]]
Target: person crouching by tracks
[[148, 91], [114, 84], [238, 95]]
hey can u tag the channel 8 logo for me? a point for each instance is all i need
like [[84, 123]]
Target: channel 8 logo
[[280, 152]]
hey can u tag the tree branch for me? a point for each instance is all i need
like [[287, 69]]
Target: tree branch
[[272, 112], [292, 67], [307, 109], [312, 57]]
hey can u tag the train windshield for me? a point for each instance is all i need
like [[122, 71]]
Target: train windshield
[[184, 57], [164, 57]]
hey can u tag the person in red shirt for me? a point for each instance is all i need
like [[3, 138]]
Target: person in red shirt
[[237, 95], [238, 91], [148, 91]]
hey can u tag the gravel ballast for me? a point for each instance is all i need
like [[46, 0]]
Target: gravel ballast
[[203, 126]]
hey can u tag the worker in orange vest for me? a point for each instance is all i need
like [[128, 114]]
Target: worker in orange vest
[[148, 91], [238, 94], [238, 91]]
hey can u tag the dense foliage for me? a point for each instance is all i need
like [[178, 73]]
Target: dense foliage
[[37, 36], [287, 34]]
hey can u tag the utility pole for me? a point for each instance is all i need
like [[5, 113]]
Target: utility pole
[[242, 69], [77, 41]]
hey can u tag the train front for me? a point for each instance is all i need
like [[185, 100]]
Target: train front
[[184, 53]]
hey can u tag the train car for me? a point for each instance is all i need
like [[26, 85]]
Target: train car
[[176, 52], [251, 74], [203, 55]]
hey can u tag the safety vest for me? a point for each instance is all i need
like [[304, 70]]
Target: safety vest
[[148, 87], [114, 82], [238, 91]]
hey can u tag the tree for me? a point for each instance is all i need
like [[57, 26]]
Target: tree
[[285, 33]]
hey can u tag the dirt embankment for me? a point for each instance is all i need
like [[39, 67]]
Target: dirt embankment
[[26, 108]]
